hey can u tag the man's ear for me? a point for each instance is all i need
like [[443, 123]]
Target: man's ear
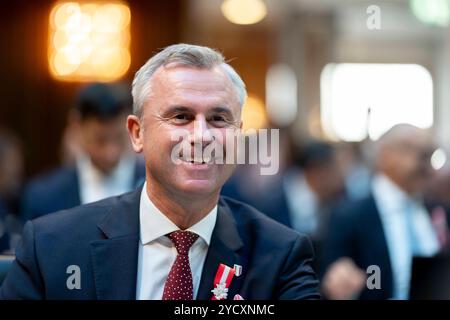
[[134, 128]]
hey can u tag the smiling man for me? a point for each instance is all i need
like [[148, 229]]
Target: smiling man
[[174, 238]]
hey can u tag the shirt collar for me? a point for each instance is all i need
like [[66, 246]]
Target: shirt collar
[[298, 188], [390, 195], [155, 224], [89, 173]]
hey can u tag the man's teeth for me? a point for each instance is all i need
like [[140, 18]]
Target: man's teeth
[[198, 160]]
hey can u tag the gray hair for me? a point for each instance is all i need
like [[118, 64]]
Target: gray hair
[[185, 54]]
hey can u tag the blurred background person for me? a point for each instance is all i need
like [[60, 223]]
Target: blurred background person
[[387, 228], [355, 168], [103, 164], [309, 187], [437, 200], [248, 185], [11, 179]]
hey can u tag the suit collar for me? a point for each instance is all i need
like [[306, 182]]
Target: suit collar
[[72, 195], [388, 196], [227, 248], [115, 258], [123, 217], [154, 224], [372, 230], [139, 173], [226, 229]]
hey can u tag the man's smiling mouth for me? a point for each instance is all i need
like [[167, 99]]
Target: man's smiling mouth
[[197, 160]]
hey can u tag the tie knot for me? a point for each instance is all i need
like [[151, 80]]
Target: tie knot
[[183, 240]]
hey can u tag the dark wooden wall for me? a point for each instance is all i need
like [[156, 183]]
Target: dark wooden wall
[[33, 104]]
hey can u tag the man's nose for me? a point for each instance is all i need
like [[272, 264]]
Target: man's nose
[[201, 133]]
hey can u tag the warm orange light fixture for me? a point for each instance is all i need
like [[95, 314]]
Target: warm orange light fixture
[[244, 11], [254, 113], [89, 41]]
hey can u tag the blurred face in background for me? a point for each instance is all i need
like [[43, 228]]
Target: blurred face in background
[[104, 141], [405, 159], [11, 171]]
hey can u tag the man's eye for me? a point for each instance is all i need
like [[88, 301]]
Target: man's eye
[[219, 121], [181, 118], [218, 118]]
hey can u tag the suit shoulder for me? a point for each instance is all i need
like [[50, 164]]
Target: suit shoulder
[[84, 217], [247, 217]]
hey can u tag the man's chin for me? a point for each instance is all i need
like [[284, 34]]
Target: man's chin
[[199, 187]]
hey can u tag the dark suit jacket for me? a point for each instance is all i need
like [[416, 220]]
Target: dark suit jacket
[[274, 204], [4, 237], [59, 190], [102, 239], [356, 231]]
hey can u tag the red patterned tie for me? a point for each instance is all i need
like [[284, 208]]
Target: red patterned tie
[[179, 282]]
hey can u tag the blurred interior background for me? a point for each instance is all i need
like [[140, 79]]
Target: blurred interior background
[[312, 65], [333, 75]]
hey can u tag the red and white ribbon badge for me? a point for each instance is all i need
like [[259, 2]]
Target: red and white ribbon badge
[[222, 281]]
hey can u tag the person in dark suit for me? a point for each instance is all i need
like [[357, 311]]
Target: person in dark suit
[[174, 238], [104, 165], [437, 200], [309, 188], [388, 227], [11, 178], [4, 237]]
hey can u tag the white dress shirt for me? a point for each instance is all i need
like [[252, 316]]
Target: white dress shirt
[[392, 203], [95, 185], [157, 252]]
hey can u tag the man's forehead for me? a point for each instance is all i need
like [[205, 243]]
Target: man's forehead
[[174, 72], [177, 80], [420, 137], [417, 142]]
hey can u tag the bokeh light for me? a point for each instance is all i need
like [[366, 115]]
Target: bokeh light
[[244, 11], [360, 100], [432, 12], [254, 113], [438, 159], [89, 41]]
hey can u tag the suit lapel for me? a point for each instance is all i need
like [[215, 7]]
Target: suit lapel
[[72, 195], [139, 173], [380, 254], [226, 248], [114, 258]]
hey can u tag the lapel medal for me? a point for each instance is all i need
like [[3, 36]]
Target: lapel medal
[[237, 270], [222, 282]]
